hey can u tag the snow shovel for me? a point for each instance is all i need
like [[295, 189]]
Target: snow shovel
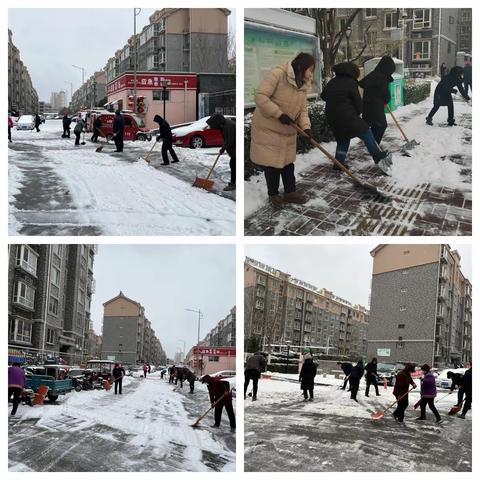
[[409, 143], [199, 419], [83, 139], [151, 150], [356, 181], [381, 413], [454, 410], [100, 148], [205, 182], [418, 403]]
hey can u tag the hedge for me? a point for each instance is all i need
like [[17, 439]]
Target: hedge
[[415, 92]]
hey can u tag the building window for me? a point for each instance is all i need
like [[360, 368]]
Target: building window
[[50, 336], [406, 252], [23, 332], [401, 325], [56, 276], [213, 358], [57, 249], [53, 306], [24, 295], [158, 95], [370, 13], [391, 21], [403, 290], [403, 308], [27, 259], [422, 18], [421, 50], [451, 20]]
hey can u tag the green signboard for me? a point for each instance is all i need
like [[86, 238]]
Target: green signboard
[[266, 48]]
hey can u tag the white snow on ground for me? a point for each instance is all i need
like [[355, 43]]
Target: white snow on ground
[[131, 413], [424, 166], [124, 198]]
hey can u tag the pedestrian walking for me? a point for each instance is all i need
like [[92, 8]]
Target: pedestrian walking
[[428, 392], [343, 107], [467, 385], [66, 121], [38, 121], [281, 100], [16, 384], [97, 123], [118, 373], [10, 126], [165, 134], [443, 70], [145, 370], [220, 396], [228, 129], [355, 377], [254, 367], [79, 126], [457, 382], [403, 381], [376, 94], [347, 368], [371, 376], [467, 78], [118, 129], [443, 95], [307, 377]]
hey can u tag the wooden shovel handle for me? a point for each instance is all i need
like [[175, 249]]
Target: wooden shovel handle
[[397, 400], [206, 413], [213, 166], [396, 123]]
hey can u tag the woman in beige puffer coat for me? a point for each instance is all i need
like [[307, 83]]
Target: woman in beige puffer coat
[[281, 99]]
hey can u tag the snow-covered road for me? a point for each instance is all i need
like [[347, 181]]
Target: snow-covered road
[[56, 188], [145, 429], [333, 433]]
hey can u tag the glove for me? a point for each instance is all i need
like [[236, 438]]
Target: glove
[[285, 119], [308, 131]]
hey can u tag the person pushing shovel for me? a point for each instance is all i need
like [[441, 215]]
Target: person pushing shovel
[[402, 382], [118, 373], [220, 396]]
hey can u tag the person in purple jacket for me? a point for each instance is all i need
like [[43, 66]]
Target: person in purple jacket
[[16, 384], [428, 392]]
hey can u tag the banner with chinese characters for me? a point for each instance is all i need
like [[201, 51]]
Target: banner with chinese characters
[[153, 81]]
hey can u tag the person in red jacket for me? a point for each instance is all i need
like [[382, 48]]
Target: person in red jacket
[[403, 380], [219, 391]]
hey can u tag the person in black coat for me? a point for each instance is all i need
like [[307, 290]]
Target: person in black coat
[[118, 128], [355, 377], [66, 121], [347, 368], [376, 94], [97, 123], [371, 376], [167, 140], [38, 121], [343, 109], [443, 94], [467, 77], [118, 373], [228, 129], [467, 385], [307, 376], [457, 381]]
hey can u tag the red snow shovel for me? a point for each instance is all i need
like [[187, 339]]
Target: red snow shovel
[[381, 413], [454, 410], [409, 143], [418, 403], [199, 419], [356, 181], [205, 183]]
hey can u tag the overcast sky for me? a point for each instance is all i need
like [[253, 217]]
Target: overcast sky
[[345, 270], [167, 279], [51, 40]]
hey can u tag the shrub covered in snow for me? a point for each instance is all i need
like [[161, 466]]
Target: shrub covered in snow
[[415, 92]]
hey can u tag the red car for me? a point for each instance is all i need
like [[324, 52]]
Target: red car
[[198, 134], [134, 127]]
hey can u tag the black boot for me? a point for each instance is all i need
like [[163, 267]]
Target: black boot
[[429, 120], [451, 122]]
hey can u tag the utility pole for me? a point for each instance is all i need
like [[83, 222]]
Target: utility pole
[[198, 329], [136, 12]]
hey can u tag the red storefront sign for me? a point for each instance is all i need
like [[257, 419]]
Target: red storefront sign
[[152, 81], [220, 351]]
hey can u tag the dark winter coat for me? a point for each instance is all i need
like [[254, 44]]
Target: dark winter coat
[[66, 122], [256, 362], [118, 125], [371, 370], [467, 382], [228, 129], [165, 130], [343, 103], [97, 123], [403, 380], [307, 374], [376, 92], [118, 373], [346, 368], [38, 120], [428, 386], [218, 388], [188, 375], [444, 90], [467, 73], [457, 380], [357, 371]]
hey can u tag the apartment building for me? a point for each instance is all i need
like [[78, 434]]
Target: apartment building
[[50, 289], [92, 93], [423, 38], [281, 310], [127, 335], [464, 30], [22, 97], [223, 334], [421, 306], [58, 101]]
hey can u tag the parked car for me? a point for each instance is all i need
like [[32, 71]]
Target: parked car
[[443, 381], [224, 374], [134, 126], [26, 122], [388, 371], [198, 134]]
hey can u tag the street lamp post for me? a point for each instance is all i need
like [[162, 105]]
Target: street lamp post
[[288, 342], [136, 12], [348, 32], [164, 83], [198, 329], [83, 76]]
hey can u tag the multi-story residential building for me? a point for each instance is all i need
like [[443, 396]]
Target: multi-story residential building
[[58, 101], [128, 335], [92, 93], [223, 334], [49, 296], [22, 97], [421, 306], [464, 30], [281, 310], [423, 38], [94, 344]]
